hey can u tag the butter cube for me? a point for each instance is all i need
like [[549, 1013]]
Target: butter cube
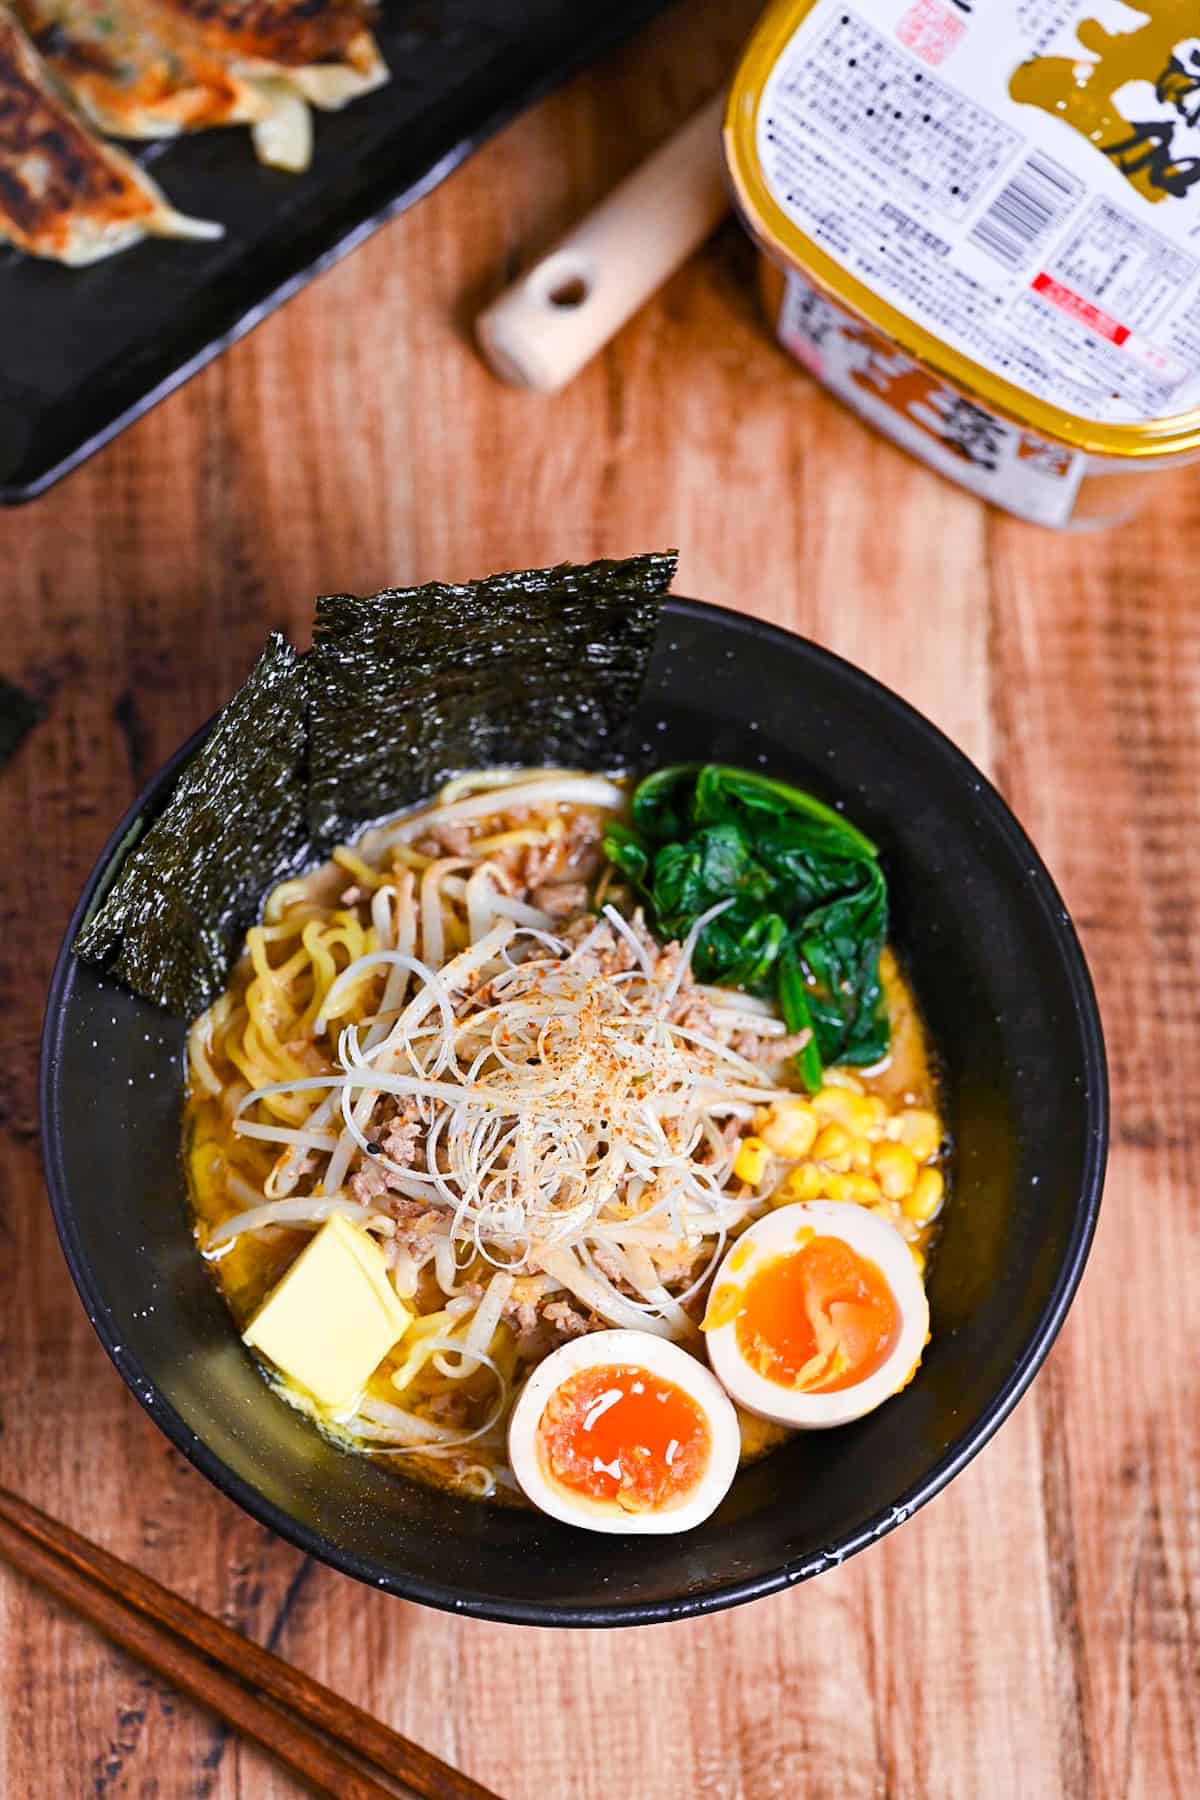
[[331, 1320]]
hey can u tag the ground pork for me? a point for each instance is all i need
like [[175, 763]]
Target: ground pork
[[367, 1185], [666, 964], [522, 1308], [523, 1318], [675, 1266], [537, 864], [444, 840], [610, 1264], [618, 960], [581, 844], [572, 857], [541, 1324], [411, 1213], [449, 1406], [370, 1183], [618, 955], [401, 1143], [561, 899], [729, 1134], [692, 1011], [569, 1323], [414, 1223], [574, 934]]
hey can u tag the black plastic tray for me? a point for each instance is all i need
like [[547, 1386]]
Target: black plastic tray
[[87, 351]]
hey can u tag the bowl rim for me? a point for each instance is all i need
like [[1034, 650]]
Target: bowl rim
[[961, 1451]]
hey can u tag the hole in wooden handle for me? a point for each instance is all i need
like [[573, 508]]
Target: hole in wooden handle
[[563, 282], [569, 292]]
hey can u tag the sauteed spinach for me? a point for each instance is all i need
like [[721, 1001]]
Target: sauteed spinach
[[807, 918]]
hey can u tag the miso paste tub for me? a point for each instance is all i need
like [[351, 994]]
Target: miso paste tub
[[980, 227]]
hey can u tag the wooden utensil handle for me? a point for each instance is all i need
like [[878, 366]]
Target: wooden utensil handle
[[162, 1627], [322, 1765], [550, 322]]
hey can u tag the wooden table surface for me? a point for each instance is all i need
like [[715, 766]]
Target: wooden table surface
[[1033, 1633]]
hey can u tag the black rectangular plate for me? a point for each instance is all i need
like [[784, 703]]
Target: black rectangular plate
[[87, 351]]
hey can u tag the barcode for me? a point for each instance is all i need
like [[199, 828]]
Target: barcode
[[1040, 194]]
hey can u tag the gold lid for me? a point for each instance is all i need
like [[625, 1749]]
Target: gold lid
[[780, 238]]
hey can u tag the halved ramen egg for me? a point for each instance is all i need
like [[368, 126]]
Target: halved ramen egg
[[816, 1315], [624, 1431]]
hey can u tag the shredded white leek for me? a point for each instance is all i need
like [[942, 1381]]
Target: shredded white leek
[[552, 1113], [313, 1211], [544, 1092], [548, 791]]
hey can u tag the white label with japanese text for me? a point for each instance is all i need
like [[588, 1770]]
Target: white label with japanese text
[[996, 460], [1020, 177]]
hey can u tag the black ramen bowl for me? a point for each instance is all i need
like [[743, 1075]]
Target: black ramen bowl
[[1004, 986]]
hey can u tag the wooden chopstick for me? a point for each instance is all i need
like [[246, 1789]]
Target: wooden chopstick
[[328, 1741]]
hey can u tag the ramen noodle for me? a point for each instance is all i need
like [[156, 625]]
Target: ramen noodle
[[979, 231]]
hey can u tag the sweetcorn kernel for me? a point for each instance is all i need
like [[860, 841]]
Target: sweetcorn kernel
[[858, 1188], [860, 1155], [842, 1078], [791, 1128], [805, 1182], [832, 1147], [864, 1114], [872, 1116], [896, 1167], [833, 1103], [918, 1256], [921, 1131], [925, 1201], [750, 1163]]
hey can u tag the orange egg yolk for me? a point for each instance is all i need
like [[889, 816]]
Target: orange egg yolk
[[818, 1319], [620, 1434]]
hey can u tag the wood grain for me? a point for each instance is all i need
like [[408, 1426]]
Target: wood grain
[[1035, 1632]]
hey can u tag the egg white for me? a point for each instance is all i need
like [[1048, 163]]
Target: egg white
[[658, 1356], [869, 1236]]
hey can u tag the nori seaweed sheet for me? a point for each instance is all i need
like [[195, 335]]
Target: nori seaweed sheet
[[173, 919], [413, 685], [18, 715], [401, 690]]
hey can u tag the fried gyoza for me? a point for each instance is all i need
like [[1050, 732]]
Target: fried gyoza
[[154, 68], [63, 193]]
